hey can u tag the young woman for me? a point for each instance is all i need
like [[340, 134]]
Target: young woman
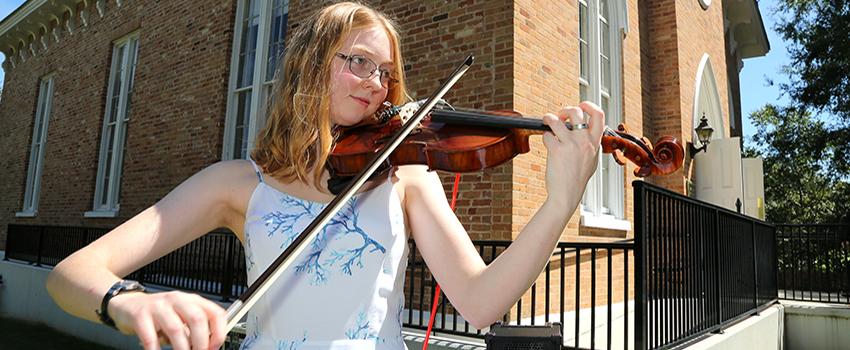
[[345, 290]]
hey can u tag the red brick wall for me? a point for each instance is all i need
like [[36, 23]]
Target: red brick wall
[[175, 127]]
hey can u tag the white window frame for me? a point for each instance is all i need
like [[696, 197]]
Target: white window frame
[[603, 204], [115, 125], [39, 140], [259, 13]]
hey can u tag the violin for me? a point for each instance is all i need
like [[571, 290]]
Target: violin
[[462, 142]]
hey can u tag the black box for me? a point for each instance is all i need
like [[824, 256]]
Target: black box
[[511, 337]]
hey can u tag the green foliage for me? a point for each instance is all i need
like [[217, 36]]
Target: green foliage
[[819, 35], [803, 182]]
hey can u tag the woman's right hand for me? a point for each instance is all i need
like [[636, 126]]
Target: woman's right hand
[[184, 321]]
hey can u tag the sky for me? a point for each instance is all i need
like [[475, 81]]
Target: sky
[[754, 90]]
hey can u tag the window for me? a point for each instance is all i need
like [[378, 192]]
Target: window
[[260, 33], [115, 122], [600, 82], [39, 138]]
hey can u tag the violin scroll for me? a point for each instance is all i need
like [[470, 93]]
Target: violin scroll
[[662, 159]]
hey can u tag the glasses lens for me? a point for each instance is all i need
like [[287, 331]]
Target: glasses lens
[[364, 68], [389, 78], [361, 66]]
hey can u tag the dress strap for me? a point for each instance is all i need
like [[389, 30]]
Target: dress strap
[[256, 169]]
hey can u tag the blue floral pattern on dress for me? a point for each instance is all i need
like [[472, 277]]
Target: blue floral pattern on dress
[[250, 341], [361, 330], [285, 222], [249, 258]]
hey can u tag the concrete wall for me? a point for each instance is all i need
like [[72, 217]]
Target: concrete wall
[[820, 326], [23, 296], [760, 332]]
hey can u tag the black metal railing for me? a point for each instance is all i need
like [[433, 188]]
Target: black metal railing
[[814, 262], [587, 287], [212, 264], [47, 245], [702, 267]]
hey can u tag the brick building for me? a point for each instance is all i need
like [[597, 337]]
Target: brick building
[[109, 104]]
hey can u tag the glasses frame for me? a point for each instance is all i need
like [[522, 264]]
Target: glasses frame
[[385, 74]]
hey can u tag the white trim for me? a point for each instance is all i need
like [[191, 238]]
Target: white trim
[[26, 214], [604, 221], [101, 214], [705, 84]]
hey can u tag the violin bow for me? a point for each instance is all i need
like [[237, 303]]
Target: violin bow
[[241, 306]]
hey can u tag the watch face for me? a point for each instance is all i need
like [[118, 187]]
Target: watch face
[[130, 286]]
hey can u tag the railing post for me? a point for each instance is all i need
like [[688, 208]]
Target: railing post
[[40, 246], [717, 267], [640, 267], [8, 234], [227, 283], [755, 269]]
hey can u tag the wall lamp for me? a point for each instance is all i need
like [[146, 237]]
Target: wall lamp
[[703, 134]]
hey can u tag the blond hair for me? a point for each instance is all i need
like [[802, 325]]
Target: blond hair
[[298, 136]]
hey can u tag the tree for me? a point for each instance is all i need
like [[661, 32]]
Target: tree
[[803, 183], [819, 35]]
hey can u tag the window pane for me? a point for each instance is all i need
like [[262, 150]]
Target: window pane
[[583, 40], [119, 164], [129, 95], [107, 169], [276, 36], [247, 55], [603, 9], [243, 114], [604, 57], [117, 77], [582, 93]]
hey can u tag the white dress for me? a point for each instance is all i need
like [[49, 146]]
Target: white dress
[[345, 291]]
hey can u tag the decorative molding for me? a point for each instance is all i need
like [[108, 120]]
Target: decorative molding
[[57, 31], [71, 23], [101, 7], [85, 14], [41, 38], [742, 21]]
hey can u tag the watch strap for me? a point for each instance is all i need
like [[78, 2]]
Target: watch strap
[[117, 288]]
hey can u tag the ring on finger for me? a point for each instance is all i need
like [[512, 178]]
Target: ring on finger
[[580, 126]]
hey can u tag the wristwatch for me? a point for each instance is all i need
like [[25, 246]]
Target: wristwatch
[[119, 287]]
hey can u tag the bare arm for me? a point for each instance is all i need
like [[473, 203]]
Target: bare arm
[[448, 251], [210, 199]]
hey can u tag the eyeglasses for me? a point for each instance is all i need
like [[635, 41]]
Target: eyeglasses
[[364, 67]]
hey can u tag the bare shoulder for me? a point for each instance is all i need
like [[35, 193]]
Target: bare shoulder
[[415, 182], [238, 177], [224, 187]]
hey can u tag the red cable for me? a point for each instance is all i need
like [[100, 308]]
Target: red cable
[[437, 290]]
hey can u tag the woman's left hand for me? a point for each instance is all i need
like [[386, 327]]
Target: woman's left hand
[[572, 154]]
